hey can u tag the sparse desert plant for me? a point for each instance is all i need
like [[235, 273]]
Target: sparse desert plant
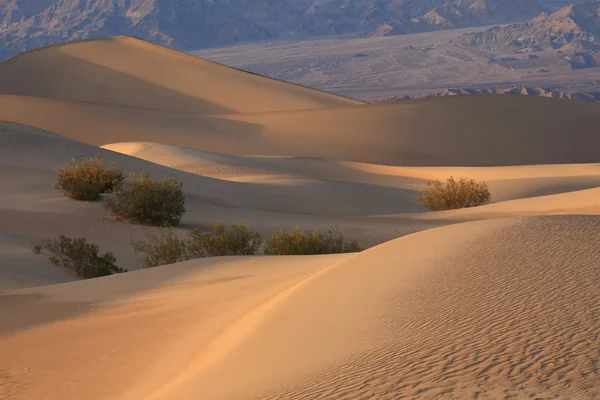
[[168, 248], [87, 178], [148, 202], [298, 242], [80, 256], [453, 194], [235, 240], [37, 249]]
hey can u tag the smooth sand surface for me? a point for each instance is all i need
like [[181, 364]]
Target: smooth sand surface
[[497, 301], [130, 72], [494, 130]]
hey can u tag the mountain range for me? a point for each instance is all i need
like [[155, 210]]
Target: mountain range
[[193, 24], [571, 34], [517, 90]]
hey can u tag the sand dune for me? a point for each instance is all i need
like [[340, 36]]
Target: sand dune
[[460, 131], [471, 313], [169, 310], [372, 203], [506, 183], [497, 301], [454, 312], [130, 72]]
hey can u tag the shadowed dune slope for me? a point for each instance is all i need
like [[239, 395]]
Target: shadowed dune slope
[[505, 183], [487, 130], [487, 309], [460, 131], [131, 72], [96, 337], [371, 203], [127, 90], [31, 210]]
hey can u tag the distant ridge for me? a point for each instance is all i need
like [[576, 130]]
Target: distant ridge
[[519, 90]]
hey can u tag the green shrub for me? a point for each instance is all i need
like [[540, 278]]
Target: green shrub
[[80, 256], [168, 248], [164, 249], [297, 242], [37, 249], [454, 194], [87, 178], [237, 240], [148, 202]]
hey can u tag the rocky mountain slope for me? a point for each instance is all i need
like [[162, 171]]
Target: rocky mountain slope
[[572, 34], [192, 24]]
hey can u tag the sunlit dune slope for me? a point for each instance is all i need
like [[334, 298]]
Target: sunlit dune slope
[[457, 131], [505, 183], [93, 339], [131, 72], [491, 309], [485, 309]]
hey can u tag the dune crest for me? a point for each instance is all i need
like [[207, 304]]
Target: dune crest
[[131, 72], [471, 313]]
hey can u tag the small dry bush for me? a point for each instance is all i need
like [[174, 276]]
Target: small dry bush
[[148, 202], [235, 240], [80, 256], [454, 194], [37, 249], [168, 248], [298, 242], [85, 179]]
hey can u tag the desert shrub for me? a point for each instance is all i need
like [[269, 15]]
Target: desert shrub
[[168, 248], [298, 242], [148, 202], [235, 240], [80, 256], [37, 249], [87, 178], [454, 194]]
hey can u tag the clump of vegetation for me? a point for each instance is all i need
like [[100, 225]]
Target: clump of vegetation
[[168, 248], [37, 249], [298, 242], [148, 202], [80, 256], [87, 178], [454, 194], [235, 240]]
